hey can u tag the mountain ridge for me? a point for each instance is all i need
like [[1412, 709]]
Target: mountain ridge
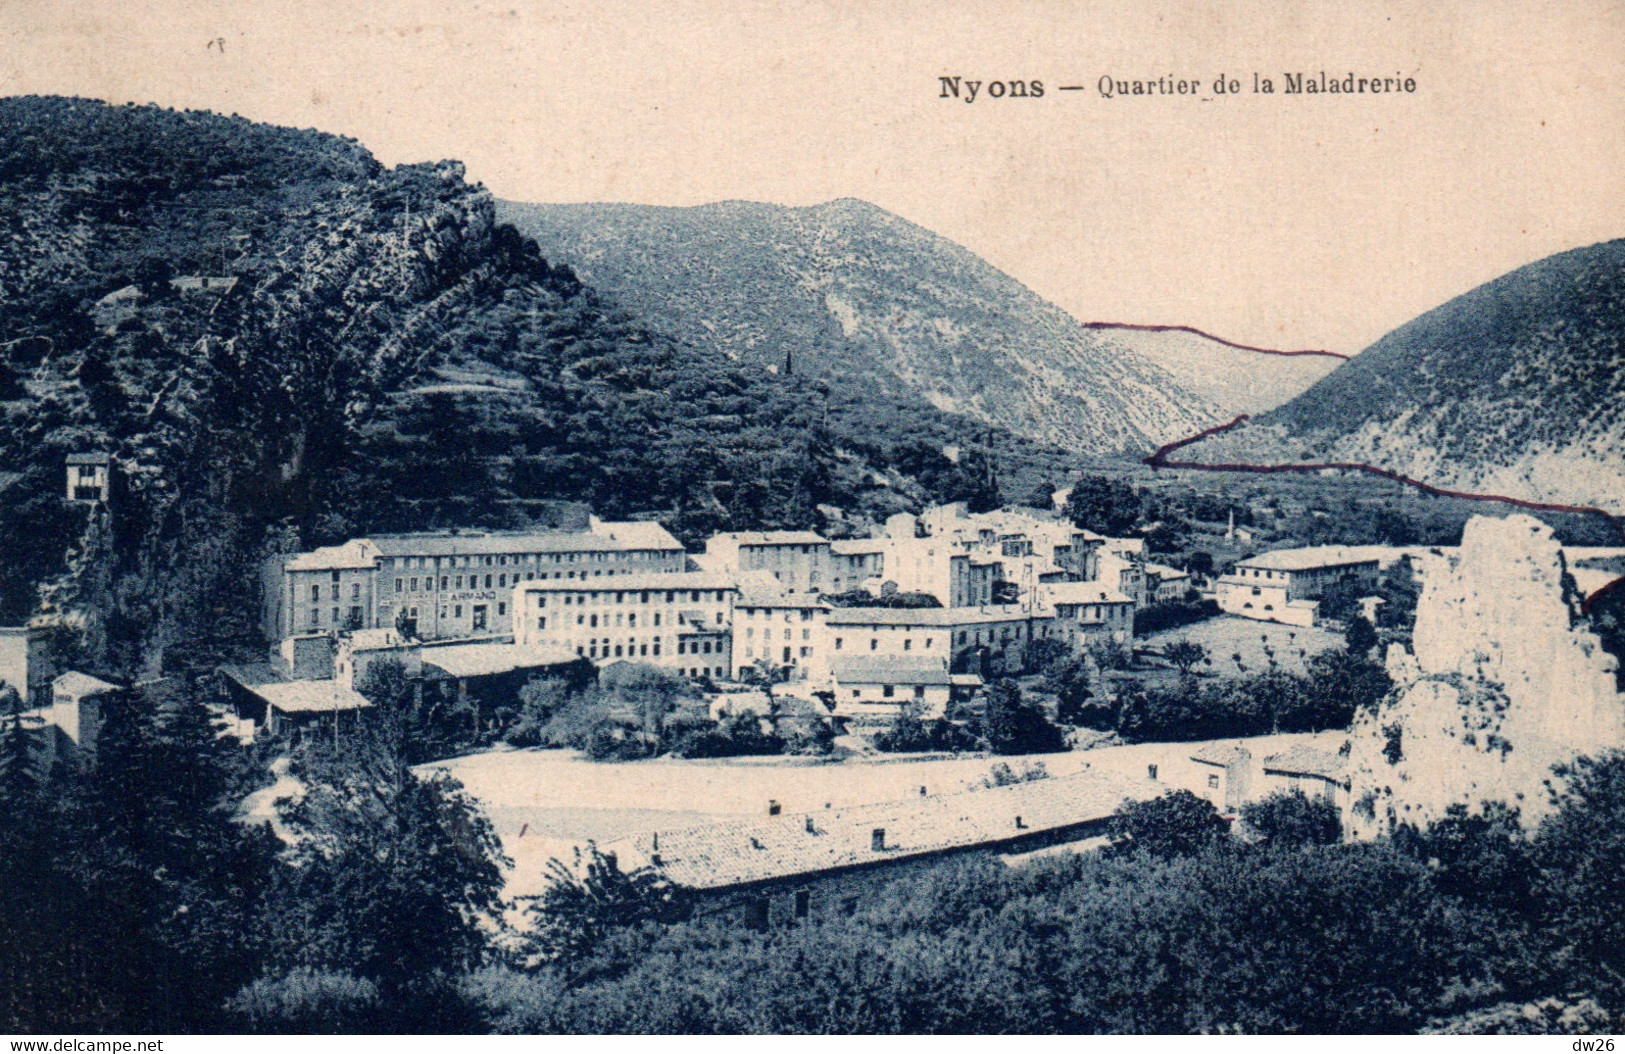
[[1514, 388], [859, 295]]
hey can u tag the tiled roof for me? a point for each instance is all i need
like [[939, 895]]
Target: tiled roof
[[718, 856], [770, 538], [493, 544], [252, 675], [311, 697], [82, 684], [1317, 556], [1308, 761], [638, 534], [1084, 593], [889, 671], [356, 555], [857, 546], [1221, 754], [484, 660]]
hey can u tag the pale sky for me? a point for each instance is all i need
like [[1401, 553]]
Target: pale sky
[[1286, 221]]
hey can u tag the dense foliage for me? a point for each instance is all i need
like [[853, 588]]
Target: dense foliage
[[1468, 926]]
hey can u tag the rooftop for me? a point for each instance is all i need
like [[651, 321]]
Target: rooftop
[[1307, 761], [857, 546], [1084, 593], [485, 660], [718, 856], [1318, 556], [603, 537], [889, 671], [94, 458], [310, 697], [767, 538], [82, 684], [1222, 754]]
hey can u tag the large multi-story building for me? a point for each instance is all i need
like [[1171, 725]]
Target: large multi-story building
[[682, 621], [1089, 613], [798, 559], [937, 565], [449, 585], [1284, 585], [778, 629], [854, 562]]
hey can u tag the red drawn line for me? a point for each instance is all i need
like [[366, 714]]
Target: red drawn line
[[1160, 460], [1209, 336]]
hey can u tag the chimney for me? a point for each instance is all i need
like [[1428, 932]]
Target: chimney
[[656, 841], [877, 839], [1151, 772], [922, 790], [773, 808], [1019, 825], [811, 827]]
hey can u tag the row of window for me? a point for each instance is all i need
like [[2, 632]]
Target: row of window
[[354, 621], [413, 563], [591, 621], [605, 648], [767, 633], [767, 653], [635, 596], [316, 591]]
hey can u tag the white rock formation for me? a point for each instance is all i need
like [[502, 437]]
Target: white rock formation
[[1505, 682]]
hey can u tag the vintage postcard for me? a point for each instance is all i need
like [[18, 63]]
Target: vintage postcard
[[813, 516]]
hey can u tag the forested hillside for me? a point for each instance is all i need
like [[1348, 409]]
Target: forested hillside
[[1515, 388], [389, 358], [873, 303]]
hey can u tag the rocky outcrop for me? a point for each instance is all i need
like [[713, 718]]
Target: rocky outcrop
[[1505, 681]]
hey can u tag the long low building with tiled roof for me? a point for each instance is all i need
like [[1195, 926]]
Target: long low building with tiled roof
[[812, 862]]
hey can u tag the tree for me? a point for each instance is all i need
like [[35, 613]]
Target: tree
[[1185, 655], [394, 877], [1360, 637], [1581, 851], [1042, 496], [582, 904], [1176, 824], [19, 782], [1103, 504], [1015, 726], [1290, 818]]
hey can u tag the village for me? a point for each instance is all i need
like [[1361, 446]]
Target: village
[[818, 652]]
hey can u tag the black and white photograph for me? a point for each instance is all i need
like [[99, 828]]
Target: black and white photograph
[[527, 517]]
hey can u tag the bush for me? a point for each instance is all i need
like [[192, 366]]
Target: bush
[[1171, 614], [1176, 824], [1015, 726], [1290, 818], [306, 1001], [737, 736]]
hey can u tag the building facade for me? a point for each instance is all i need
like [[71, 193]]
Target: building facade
[[1283, 586], [448, 585], [799, 560], [682, 621]]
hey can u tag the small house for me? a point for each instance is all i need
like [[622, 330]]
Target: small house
[[89, 477]]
